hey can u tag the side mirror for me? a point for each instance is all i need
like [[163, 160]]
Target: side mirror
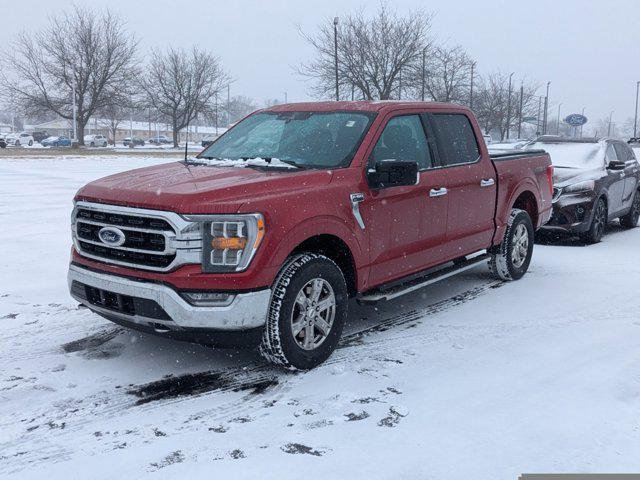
[[617, 165], [392, 173]]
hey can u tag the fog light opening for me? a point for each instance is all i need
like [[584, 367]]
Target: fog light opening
[[208, 299]]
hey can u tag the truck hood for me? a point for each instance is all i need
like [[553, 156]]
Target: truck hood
[[198, 189], [568, 176]]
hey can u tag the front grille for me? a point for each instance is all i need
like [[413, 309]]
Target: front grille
[[149, 242], [134, 239]]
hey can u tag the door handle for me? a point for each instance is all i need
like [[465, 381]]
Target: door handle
[[438, 192], [487, 182]]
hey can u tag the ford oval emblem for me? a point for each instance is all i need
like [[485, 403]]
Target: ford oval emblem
[[112, 236]]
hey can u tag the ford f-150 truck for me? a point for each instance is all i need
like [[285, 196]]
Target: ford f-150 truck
[[264, 236]]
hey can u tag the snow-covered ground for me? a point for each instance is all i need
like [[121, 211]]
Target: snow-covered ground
[[471, 378]]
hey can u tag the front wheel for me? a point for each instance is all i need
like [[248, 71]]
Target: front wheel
[[598, 223], [31, 143], [511, 259], [630, 220], [307, 313]]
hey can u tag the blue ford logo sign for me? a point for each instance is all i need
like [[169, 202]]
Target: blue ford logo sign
[[112, 236], [576, 120]]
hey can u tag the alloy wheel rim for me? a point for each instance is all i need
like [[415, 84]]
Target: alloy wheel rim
[[313, 314], [519, 246]]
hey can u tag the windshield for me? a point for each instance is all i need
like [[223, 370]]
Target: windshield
[[302, 139], [573, 155]]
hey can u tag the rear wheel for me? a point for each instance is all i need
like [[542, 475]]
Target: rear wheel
[[30, 143], [512, 258], [630, 220], [307, 313], [598, 223], [17, 143]]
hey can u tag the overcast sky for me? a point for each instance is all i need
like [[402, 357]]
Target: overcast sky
[[588, 49]]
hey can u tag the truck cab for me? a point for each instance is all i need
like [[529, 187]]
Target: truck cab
[[264, 236]]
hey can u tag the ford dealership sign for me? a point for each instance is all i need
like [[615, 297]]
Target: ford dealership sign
[[576, 120]]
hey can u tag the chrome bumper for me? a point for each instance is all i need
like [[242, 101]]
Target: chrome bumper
[[246, 311]]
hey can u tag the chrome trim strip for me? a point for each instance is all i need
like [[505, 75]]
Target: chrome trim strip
[[248, 310]]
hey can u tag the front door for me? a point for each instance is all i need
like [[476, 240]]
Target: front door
[[407, 225], [615, 180], [625, 153]]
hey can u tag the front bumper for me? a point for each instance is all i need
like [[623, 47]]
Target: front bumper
[[160, 307], [572, 213]]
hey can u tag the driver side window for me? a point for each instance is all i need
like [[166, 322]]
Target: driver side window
[[404, 139]]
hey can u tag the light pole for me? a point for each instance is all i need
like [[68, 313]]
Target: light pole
[[424, 66], [538, 117], [473, 67], [558, 126], [635, 121], [583, 124], [75, 108], [609, 128], [335, 54], [546, 110], [520, 110], [509, 105]]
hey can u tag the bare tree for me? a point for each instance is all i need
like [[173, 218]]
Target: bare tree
[[492, 102], [180, 85], [83, 49], [447, 76], [239, 107], [372, 53]]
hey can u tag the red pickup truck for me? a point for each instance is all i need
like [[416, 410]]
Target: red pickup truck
[[265, 235]]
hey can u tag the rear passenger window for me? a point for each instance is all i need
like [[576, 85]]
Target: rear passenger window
[[403, 139], [456, 140], [624, 152], [610, 154]]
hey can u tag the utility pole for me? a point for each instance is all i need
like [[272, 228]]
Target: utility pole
[[520, 110], [635, 121], [473, 67], [424, 66], [558, 126], [509, 105], [75, 108], [538, 117], [546, 110], [285, 98], [228, 104], [216, 112], [335, 54], [609, 128]]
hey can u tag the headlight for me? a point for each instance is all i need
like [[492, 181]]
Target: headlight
[[587, 186], [229, 242]]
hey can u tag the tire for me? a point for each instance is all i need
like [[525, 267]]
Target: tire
[[630, 220], [30, 143], [92, 144], [598, 223], [306, 280], [17, 143], [510, 260]]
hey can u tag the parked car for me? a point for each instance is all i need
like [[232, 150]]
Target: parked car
[[160, 140], [354, 199], [19, 139], [54, 141], [206, 141], [39, 136], [595, 181], [136, 142], [95, 141]]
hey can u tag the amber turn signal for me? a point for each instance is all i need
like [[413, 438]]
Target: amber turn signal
[[222, 243]]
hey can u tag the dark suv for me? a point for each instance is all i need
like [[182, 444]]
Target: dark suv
[[595, 181]]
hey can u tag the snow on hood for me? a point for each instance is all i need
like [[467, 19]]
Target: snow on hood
[[251, 162], [587, 156]]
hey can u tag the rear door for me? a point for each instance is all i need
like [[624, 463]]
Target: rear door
[[407, 225], [471, 184], [615, 181]]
